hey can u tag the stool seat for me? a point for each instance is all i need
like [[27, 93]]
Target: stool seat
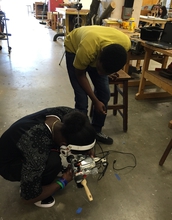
[[123, 91]]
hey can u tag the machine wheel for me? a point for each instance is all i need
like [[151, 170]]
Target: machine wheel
[[58, 35]]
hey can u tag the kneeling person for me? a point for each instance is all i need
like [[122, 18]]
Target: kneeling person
[[30, 151]]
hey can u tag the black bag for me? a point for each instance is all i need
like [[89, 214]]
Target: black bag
[[151, 33], [136, 47], [167, 73]]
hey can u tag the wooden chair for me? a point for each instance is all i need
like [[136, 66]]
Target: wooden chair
[[167, 150], [123, 91]]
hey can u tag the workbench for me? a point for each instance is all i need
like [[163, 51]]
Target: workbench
[[151, 20], [153, 76], [130, 57]]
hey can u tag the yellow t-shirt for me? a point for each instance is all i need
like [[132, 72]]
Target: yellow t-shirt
[[87, 42]]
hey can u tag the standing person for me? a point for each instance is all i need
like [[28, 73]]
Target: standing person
[[30, 149], [99, 51]]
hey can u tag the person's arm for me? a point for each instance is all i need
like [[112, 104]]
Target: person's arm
[[83, 81], [165, 17], [50, 189]]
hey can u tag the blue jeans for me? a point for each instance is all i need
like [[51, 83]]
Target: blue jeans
[[101, 90]]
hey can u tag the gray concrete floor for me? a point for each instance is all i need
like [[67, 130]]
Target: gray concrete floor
[[31, 79]]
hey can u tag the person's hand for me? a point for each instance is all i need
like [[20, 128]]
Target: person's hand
[[113, 76], [100, 108], [68, 174]]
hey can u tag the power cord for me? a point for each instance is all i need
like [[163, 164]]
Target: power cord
[[102, 162], [129, 166]]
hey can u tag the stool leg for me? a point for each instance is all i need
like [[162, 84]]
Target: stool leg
[[61, 58], [125, 103], [115, 97], [165, 154]]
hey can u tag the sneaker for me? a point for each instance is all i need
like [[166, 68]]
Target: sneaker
[[104, 139], [46, 203]]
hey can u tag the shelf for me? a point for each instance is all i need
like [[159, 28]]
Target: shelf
[[161, 82]]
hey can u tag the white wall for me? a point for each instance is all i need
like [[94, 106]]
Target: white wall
[[85, 3], [137, 9], [168, 2]]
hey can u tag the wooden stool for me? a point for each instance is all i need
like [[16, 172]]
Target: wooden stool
[[121, 108], [167, 150]]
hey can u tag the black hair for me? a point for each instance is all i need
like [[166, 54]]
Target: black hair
[[113, 57], [77, 130], [164, 11]]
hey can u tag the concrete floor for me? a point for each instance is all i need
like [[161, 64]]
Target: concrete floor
[[31, 79]]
